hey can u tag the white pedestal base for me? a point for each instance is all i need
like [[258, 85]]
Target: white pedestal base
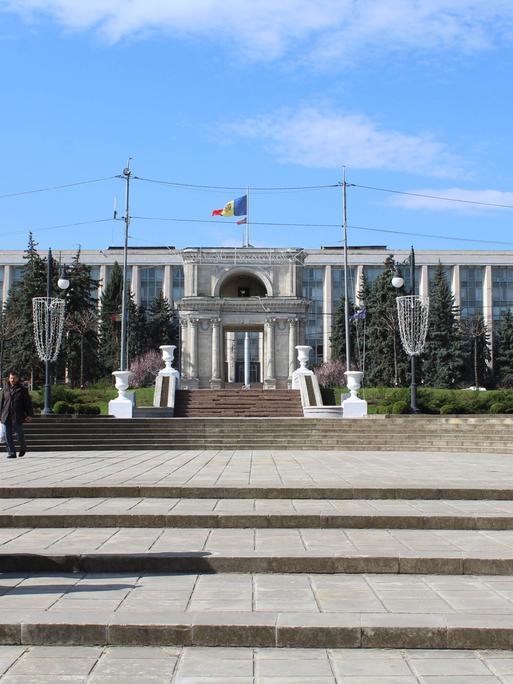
[[121, 408], [171, 372], [322, 411], [354, 408], [297, 374]]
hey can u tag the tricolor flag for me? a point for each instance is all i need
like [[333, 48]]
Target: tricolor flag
[[236, 207]]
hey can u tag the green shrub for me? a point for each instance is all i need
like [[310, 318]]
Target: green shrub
[[63, 408], [448, 409], [61, 393], [400, 407], [498, 407], [87, 409], [384, 408]]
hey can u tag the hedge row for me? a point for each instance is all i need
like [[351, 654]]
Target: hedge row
[[63, 408], [434, 401]]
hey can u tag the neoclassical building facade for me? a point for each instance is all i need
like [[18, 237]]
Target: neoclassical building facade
[[275, 298]]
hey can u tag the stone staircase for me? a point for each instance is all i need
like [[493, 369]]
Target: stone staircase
[[478, 434], [231, 403], [92, 565]]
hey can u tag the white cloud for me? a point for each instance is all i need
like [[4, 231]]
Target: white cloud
[[324, 29], [324, 139], [465, 205]]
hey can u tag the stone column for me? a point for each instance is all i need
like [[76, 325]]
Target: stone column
[[292, 346], [193, 353], [358, 284], [328, 313], [230, 356], [7, 283], [488, 297], [424, 281], [184, 351], [455, 285], [103, 283], [261, 355], [270, 379], [167, 284], [135, 286], [215, 380]]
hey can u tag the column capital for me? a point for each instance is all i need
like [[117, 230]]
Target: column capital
[[194, 322], [215, 321], [271, 321], [293, 322]]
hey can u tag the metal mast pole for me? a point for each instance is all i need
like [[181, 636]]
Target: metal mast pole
[[413, 387], [346, 289], [124, 297], [247, 216], [47, 410]]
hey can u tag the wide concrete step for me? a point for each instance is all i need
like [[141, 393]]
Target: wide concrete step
[[204, 550], [259, 611], [256, 513]]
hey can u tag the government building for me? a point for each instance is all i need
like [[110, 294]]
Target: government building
[[281, 297]]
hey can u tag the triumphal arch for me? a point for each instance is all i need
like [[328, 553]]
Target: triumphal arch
[[233, 291]]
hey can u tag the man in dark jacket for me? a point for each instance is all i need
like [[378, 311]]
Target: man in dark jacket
[[15, 409]]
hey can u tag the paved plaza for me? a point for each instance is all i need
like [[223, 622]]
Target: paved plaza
[[190, 567]]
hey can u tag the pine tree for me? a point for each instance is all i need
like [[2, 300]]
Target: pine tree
[[478, 351], [21, 350], [338, 335], [443, 357], [386, 361], [504, 356], [137, 331], [162, 327], [81, 342], [110, 320]]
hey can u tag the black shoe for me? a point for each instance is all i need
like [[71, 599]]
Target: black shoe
[[22, 453], [11, 456]]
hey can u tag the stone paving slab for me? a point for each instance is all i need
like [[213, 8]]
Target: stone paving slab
[[168, 665], [257, 550], [256, 513], [286, 474]]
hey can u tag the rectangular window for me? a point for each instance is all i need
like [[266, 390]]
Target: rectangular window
[[178, 283], [150, 281], [17, 274], [405, 271], [94, 272], [108, 273], [471, 290], [432, 272], [502, 290], [313, 289], [372, 272], [337, 284]]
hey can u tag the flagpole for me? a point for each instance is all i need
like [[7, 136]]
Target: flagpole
[[247, 216], [346, 289]]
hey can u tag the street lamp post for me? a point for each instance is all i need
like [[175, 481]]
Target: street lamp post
[[63, 284], [398, 282]]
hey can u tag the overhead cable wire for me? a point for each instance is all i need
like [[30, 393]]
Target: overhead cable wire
[[193, 186], [56, 187], [63, 225], [328, 226], [433, 197]]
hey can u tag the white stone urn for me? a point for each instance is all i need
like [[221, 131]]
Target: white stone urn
[[354, 381], [122, 378], [353, 406], [168, 353], [303, 355]]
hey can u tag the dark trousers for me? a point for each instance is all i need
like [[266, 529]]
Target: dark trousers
[[12, 428]]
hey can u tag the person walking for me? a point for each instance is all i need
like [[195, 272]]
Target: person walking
[[15, 409]]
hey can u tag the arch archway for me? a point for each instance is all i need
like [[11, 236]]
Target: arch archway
[[243, 282]]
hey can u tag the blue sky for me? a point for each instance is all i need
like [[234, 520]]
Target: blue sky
[[413, 96]]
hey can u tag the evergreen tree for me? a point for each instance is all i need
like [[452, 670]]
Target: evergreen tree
[[81, 343], [137, 331], [21, 350], [504, 356], [386, 361], [478, 351], [443, 357], [110, 320], [162, 327], [338, 336]]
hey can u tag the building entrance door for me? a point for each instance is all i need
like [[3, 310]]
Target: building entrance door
[[234, 356]]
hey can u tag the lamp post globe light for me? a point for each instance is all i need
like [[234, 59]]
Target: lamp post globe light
[[412, 312], [48, 324]]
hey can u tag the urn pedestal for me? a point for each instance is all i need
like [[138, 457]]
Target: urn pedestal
[[353, 406], [123, 405]]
